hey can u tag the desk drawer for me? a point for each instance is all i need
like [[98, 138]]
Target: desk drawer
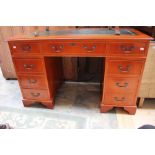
[[58, 48], [24, 47], [29, 65], [30, 81], [92, 48], [127, 49], [121, 85], [124, 67], [35, 94], [117, 99]]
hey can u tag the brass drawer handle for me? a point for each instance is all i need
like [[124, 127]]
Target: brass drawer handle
[[53, 47], [124, 70], [72, 44], [61, 47], [57, 49], [92, 49], [118, 84], [35, 94], [118, 100], [85, 47], [32, 81], [127, 49], [28, 67], [26, 48]]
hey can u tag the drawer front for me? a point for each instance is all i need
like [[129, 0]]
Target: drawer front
[[24, 47], [132, 49], [29, 65], [92, 48], [118, 99], [124, 67], [58, 48], [121, 85], [30, 81], [35, 94]]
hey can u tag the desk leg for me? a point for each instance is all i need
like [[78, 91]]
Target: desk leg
[[131, 110], [49, 104], [105, 108]]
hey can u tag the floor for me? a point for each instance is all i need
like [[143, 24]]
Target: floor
[[76, 106]]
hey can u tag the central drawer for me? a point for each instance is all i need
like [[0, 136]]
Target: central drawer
[[69, 48]]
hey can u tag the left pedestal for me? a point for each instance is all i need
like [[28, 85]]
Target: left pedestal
[[38, 76]]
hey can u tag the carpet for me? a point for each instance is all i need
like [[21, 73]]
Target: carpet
[[27, 118]]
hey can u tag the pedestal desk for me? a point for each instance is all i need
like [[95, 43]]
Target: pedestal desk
[[38, 63]]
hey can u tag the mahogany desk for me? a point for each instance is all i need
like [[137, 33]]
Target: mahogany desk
[[38, 64]]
